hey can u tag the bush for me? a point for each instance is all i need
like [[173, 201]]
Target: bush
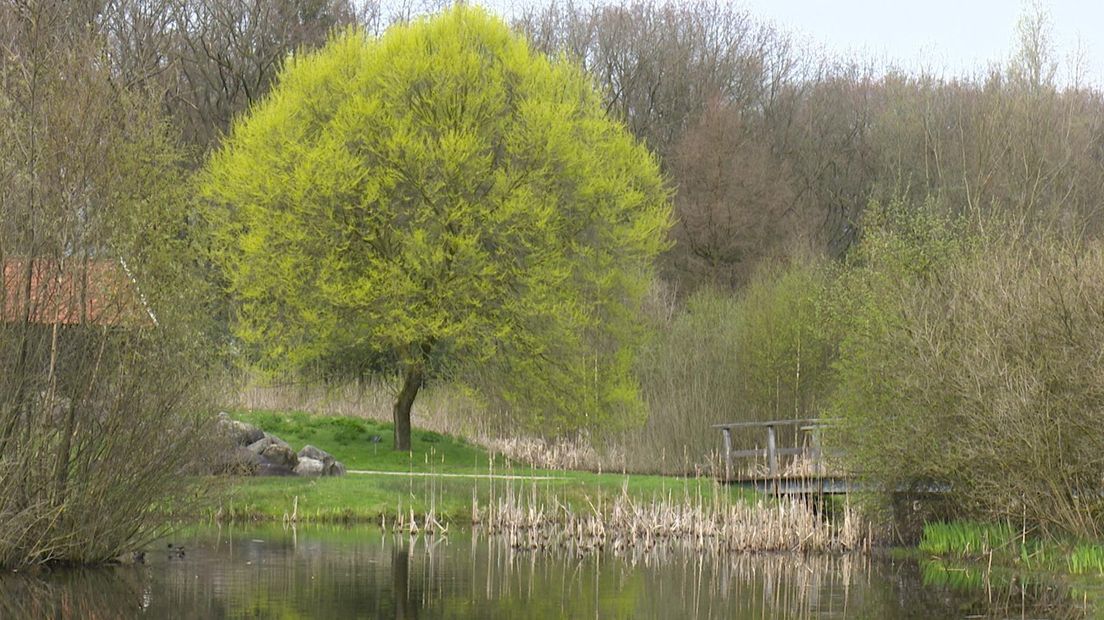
[[101, 404], [978, 372]]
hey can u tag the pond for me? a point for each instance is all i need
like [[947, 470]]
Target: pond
[[265, 572]]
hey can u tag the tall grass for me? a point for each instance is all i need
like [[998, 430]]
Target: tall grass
[[969, 539], [973, 540]]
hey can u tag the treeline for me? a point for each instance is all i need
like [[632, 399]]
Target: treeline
[[773, 149]]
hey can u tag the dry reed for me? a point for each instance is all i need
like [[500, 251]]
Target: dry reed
[[630, 526]]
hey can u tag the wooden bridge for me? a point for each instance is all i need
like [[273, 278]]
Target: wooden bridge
[[808, 477]]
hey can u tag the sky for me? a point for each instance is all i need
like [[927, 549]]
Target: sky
[[952, 37], [956, 37]]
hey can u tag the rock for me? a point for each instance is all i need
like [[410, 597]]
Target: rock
[[318, 454], [281, 455], [330, 465], [309, 467], [239, 433], [268, 468], [276, 451], [244, 434], [247, 456], [242, 462], [311, 452], [265, 441]]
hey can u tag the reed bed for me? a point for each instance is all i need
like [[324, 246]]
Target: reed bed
[[632, 526], [565, 454]]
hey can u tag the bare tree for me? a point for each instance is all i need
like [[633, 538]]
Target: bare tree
[[733, 200]]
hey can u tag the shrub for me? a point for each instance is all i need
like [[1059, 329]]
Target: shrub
[[979, 372], [101, 403]]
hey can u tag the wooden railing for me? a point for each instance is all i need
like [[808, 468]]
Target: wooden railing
[[812, 426]]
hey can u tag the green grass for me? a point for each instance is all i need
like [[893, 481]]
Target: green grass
[[965, 539], [371, 498], [969, 540], [1086, 558], [350, 441]]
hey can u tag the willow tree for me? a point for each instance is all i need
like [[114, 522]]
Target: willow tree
[[443, 199]]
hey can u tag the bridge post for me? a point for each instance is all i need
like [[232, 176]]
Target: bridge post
[[818, 467], [772, 455], [727, 452]]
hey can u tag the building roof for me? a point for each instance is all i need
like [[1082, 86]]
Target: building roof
[[72, 292]]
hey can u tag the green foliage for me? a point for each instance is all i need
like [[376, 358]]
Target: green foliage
[[786, 342], [1086, 558], [347, 431], [967, 539], [881, 431], [444, 196]]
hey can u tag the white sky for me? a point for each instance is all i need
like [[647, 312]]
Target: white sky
[[953, 37]]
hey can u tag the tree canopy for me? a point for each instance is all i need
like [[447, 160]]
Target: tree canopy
[[447, 200]]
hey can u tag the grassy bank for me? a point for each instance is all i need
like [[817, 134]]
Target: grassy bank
[[1004, 558], [441, 475], [1008, 546]]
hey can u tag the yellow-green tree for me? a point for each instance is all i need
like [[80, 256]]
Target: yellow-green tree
[[443, 199]]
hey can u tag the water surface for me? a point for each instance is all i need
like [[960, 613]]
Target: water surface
[[273, 572]]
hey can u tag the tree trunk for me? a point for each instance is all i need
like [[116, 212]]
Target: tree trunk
[[412, 382]]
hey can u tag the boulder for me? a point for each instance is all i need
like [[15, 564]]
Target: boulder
[[239, 433], [276, 452], [311, 452], [244, 461], [268, 468], [330, 465], [243, 434], [265, 441], [309, 467], [235, 461]]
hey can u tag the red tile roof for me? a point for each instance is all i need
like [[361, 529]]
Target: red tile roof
[[71, 292]]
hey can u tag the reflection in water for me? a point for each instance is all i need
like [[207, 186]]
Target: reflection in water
[[363, 572], [93, 593], [1006, 591]]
